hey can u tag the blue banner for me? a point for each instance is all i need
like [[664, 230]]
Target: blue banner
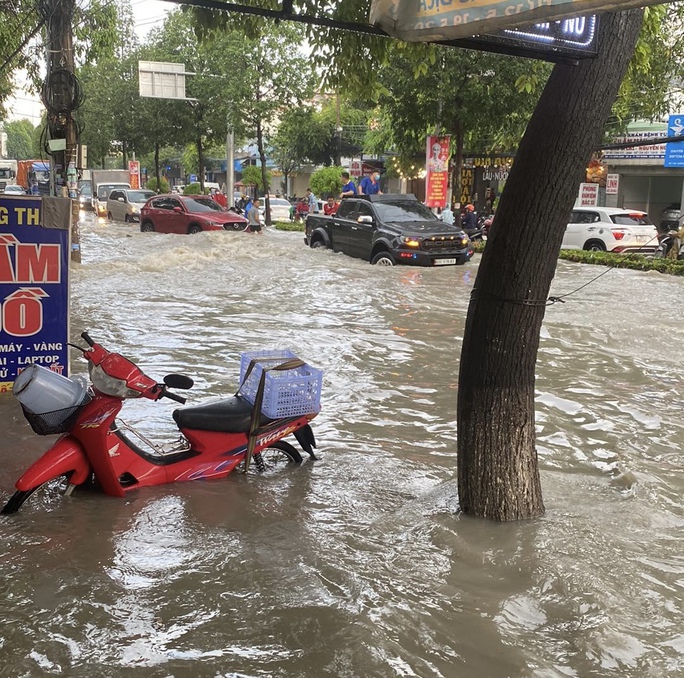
[[34, 290], [674, 151]]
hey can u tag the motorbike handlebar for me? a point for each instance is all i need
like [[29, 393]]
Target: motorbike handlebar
[[86, 337], [173, 396]]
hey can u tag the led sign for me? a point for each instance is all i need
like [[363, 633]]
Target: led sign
[[552, 40]]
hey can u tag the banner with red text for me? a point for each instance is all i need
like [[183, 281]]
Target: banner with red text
[[134, 173], [437, 170], [34, 287]]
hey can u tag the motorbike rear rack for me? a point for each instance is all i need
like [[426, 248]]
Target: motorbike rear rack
[[181, 444]]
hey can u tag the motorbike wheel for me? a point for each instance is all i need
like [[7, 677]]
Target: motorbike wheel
[[275, 456], [16, 501]]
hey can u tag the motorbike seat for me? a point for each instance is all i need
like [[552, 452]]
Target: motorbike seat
[[231, 415]]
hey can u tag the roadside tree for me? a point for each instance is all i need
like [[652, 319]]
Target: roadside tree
[[19, 139], [327, 181], [498, 474]]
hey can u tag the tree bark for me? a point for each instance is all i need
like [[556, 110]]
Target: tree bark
[[264, 175], [156, 166], [200, 156], [498, 474]]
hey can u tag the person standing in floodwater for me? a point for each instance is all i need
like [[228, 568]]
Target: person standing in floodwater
[[254, 218]]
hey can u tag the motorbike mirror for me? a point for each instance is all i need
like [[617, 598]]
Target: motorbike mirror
[[178, 381]]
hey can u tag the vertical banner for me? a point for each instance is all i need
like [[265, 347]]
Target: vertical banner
[[437, 174], [34, 285], [612, 184], [134, 173]]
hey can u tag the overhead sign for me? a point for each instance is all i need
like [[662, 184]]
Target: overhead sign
[[674, 151], [440, 20], [34, 285], [161, 80]]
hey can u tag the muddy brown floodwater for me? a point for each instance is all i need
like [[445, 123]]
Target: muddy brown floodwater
[[358, 565]]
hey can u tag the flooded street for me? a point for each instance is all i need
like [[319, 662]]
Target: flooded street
[[358, 565]]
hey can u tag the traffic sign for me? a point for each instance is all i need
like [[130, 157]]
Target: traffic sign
[[674, 151]]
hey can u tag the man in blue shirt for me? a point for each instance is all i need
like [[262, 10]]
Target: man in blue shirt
[[349, 187], [370, 185], [312, 201]]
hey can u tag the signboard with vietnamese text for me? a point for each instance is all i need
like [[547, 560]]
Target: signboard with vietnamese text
[[440, 20], [34, 285], [134, 173], [644, 152], [437, 171], [588, 195], [612, 184]]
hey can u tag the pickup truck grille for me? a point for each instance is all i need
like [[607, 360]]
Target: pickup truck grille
[[442, 243]]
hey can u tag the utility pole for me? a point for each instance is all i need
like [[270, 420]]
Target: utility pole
[[230, 167], [62, 95]]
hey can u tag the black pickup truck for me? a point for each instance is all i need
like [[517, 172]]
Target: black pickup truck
[[388, 230]]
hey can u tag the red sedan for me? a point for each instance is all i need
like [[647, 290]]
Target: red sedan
[[173, 213]]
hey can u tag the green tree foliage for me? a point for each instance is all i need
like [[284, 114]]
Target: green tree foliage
[[321, 137], [483, 100], [252, 176], [654, 75], [96, 32], [327, 181], [163, 185], [20, 139]]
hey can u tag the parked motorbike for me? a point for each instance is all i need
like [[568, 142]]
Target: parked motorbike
[[101, 450], [482, 231], [670, 244]]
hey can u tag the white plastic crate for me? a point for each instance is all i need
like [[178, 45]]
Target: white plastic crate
[[287, 393]]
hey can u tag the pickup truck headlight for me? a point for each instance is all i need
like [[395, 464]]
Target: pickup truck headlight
[[410, 242]]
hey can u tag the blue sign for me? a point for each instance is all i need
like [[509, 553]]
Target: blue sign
[[674, 151], [193, 178], [34, 288]]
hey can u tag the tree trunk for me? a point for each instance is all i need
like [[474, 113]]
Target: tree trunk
[[156, 166], [200, 155], [498, 474], [264, 177]]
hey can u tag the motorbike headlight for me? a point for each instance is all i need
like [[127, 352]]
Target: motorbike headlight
[[110, 386]]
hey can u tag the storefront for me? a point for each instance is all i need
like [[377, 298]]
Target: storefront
[[643, 181]]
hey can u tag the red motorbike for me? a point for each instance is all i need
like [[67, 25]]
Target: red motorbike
[[98, 449]]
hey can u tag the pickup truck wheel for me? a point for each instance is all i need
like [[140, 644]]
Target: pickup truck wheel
[[383, 259], [317, 243]]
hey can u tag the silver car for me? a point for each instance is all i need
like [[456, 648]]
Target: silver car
[[123, 204]]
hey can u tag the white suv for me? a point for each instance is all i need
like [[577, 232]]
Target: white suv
[[610, 229]]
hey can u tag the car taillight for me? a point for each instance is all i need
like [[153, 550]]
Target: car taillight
[[619, 233]]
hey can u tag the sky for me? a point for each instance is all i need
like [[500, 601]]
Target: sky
[[147, 15]]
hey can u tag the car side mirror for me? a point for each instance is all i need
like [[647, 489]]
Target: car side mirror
[[121, 200], [364, 219], [178, 209]]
